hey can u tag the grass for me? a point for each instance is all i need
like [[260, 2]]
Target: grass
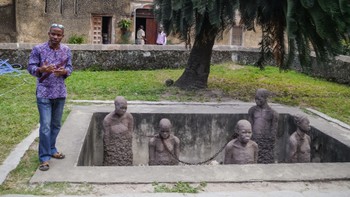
[[19, 116], [179, 187]]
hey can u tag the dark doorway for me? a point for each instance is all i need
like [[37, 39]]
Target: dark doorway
[[145, 17], [106, 29]]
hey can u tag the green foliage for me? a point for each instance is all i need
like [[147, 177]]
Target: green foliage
[[179, 187], [76, 39], [178, 17], [319, 23], [346, 47], [124, 23]]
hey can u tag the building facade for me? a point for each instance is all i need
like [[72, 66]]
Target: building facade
[[27, 21]]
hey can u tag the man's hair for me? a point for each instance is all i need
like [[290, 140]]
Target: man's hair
[[56, 25]]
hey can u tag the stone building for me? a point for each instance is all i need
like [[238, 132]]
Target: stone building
[[27, 21]]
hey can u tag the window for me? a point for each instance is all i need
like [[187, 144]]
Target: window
[[237, 34]]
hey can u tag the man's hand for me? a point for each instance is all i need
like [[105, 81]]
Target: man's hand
[[60, 72], [47, 68]]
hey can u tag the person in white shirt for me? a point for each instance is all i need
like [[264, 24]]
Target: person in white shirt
[[161, 38], [140, 36]]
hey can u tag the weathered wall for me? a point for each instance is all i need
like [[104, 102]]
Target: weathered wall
[[130, 57], [75, 17], [203, 136], [136, 57], [7, 21]]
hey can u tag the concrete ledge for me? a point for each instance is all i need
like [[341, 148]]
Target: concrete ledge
[[72, 137]]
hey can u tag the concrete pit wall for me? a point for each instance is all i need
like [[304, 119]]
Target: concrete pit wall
[[202, 136]]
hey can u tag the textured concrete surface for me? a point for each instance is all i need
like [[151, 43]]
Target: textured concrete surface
[[72, 137], [228, 194]]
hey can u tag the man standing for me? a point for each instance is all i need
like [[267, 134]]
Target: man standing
[[161, 37], [51, 63], [140, 36]]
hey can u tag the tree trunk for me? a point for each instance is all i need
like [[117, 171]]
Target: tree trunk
[[197, 71]]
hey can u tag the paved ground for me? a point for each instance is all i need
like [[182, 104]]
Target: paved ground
[[230, 194]]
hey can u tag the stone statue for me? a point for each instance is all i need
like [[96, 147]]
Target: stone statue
[[118, 128], [298, 149], [264, 122], [241, 150], [163, 143]]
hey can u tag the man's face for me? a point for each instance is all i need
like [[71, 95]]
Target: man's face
[[55, 35], [244, 133], [260, 100], [164, 131], [304, 125], [120, 108]]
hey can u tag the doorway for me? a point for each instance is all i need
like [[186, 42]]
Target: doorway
[[101, 29], [145, 17]]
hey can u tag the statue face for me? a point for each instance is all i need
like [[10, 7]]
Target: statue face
[[260, 100], [304, 125], [120, 108], [164, 131], [244, 133]]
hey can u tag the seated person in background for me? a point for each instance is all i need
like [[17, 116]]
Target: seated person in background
[[241, 150], [298, 149], [118, 128], [164, 148], [264, 122]]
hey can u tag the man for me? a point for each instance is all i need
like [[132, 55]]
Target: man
[[51, 63], [118, 128], [164, 148], [140, 36], [161, 37], [241, 150], [264, 122]]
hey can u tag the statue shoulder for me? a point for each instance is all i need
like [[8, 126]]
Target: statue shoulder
[[176, 139], [107, 118], [129, 115], [252, 109], [292, 139], [152, 141], [231, 143], [253, 144]]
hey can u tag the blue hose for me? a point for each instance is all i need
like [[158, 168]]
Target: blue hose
[[6, 67]]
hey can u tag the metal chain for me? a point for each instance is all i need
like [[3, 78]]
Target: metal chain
[[188, 163], [184, 162]]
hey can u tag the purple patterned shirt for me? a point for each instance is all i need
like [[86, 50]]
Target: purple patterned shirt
[[48, 85]]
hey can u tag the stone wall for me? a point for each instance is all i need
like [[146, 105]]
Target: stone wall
[[137, 57], [8, 21], [75, 15], [130, 57]]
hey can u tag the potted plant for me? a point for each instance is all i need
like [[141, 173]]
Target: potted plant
[[124, 24]]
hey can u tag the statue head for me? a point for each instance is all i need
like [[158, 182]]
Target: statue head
[[120, 105], [164, 128], [261, 96], [244, 130], [302, 122]]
